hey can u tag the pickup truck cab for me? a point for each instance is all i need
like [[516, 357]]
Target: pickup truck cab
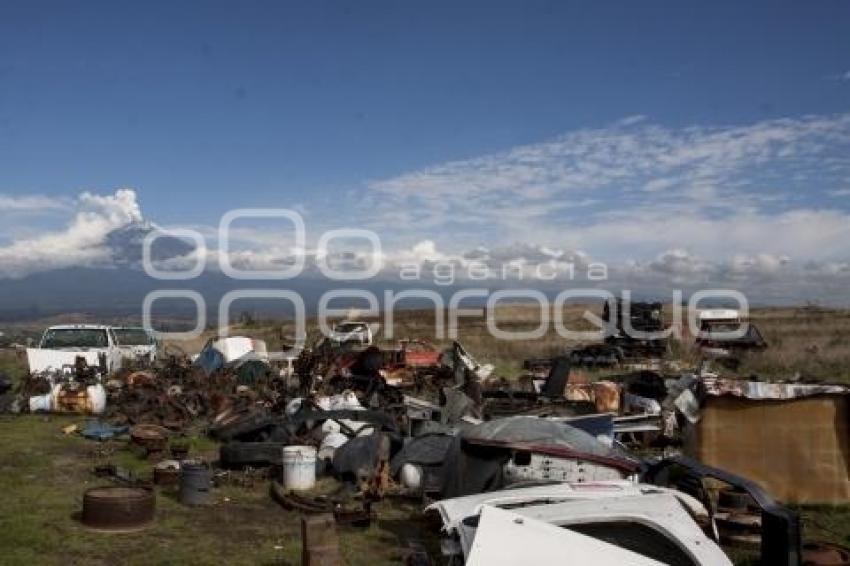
[[136, 343], [716, 326], [60, 346]]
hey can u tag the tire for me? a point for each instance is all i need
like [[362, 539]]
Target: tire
[[235, 455], [232, 429], [734, 499]]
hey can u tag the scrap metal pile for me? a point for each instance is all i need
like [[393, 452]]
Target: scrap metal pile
[[578, 468]]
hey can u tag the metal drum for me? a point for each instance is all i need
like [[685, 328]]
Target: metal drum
[[115, 508], [195, 484]]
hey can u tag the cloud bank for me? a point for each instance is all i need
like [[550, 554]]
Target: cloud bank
[[761, 207], [635, 187]]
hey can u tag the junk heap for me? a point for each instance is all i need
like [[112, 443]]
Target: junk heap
[[494, 459]]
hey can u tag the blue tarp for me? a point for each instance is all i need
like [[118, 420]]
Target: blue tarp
[[97, 430]]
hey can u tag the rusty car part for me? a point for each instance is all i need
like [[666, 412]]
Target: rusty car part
[[151, 438], [118, 508], [72, 401], [344, 514], [139, 378], [738, 518], [167, 472]]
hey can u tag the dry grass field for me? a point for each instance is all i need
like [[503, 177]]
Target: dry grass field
[[809, 343], [803, 342]]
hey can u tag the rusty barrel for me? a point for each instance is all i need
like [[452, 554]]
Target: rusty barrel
[[118, 508], [195, 484], [167, 472]]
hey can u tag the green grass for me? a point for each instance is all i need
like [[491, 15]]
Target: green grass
[[44, 473], [829, 523]]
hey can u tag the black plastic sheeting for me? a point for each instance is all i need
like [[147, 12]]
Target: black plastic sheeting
[[426, 450], [358, 458]]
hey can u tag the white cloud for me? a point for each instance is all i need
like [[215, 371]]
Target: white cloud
[[735, 203], [660, 184], [720, 189], [80, 243], [31, 203]]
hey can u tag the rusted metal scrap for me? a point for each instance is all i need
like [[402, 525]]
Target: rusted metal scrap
[[178, 395], [151, 439], [342, 512]]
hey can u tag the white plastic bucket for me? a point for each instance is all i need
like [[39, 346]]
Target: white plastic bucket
[[299, 467]]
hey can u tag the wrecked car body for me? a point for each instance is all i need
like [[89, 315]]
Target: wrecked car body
[[619, 513], [778, 527], [628, 316], [725, 334], [494, 454]]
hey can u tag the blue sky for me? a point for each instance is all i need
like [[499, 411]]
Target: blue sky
[[350, 110]]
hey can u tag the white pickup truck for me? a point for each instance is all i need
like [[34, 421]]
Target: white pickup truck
[[136, 344], [60, 346]]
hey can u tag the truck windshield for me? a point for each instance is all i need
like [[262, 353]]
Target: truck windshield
[[75, 338], [132, 336]]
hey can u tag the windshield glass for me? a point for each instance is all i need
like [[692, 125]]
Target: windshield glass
[[132, 336], [350, 327], [75, 338]]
